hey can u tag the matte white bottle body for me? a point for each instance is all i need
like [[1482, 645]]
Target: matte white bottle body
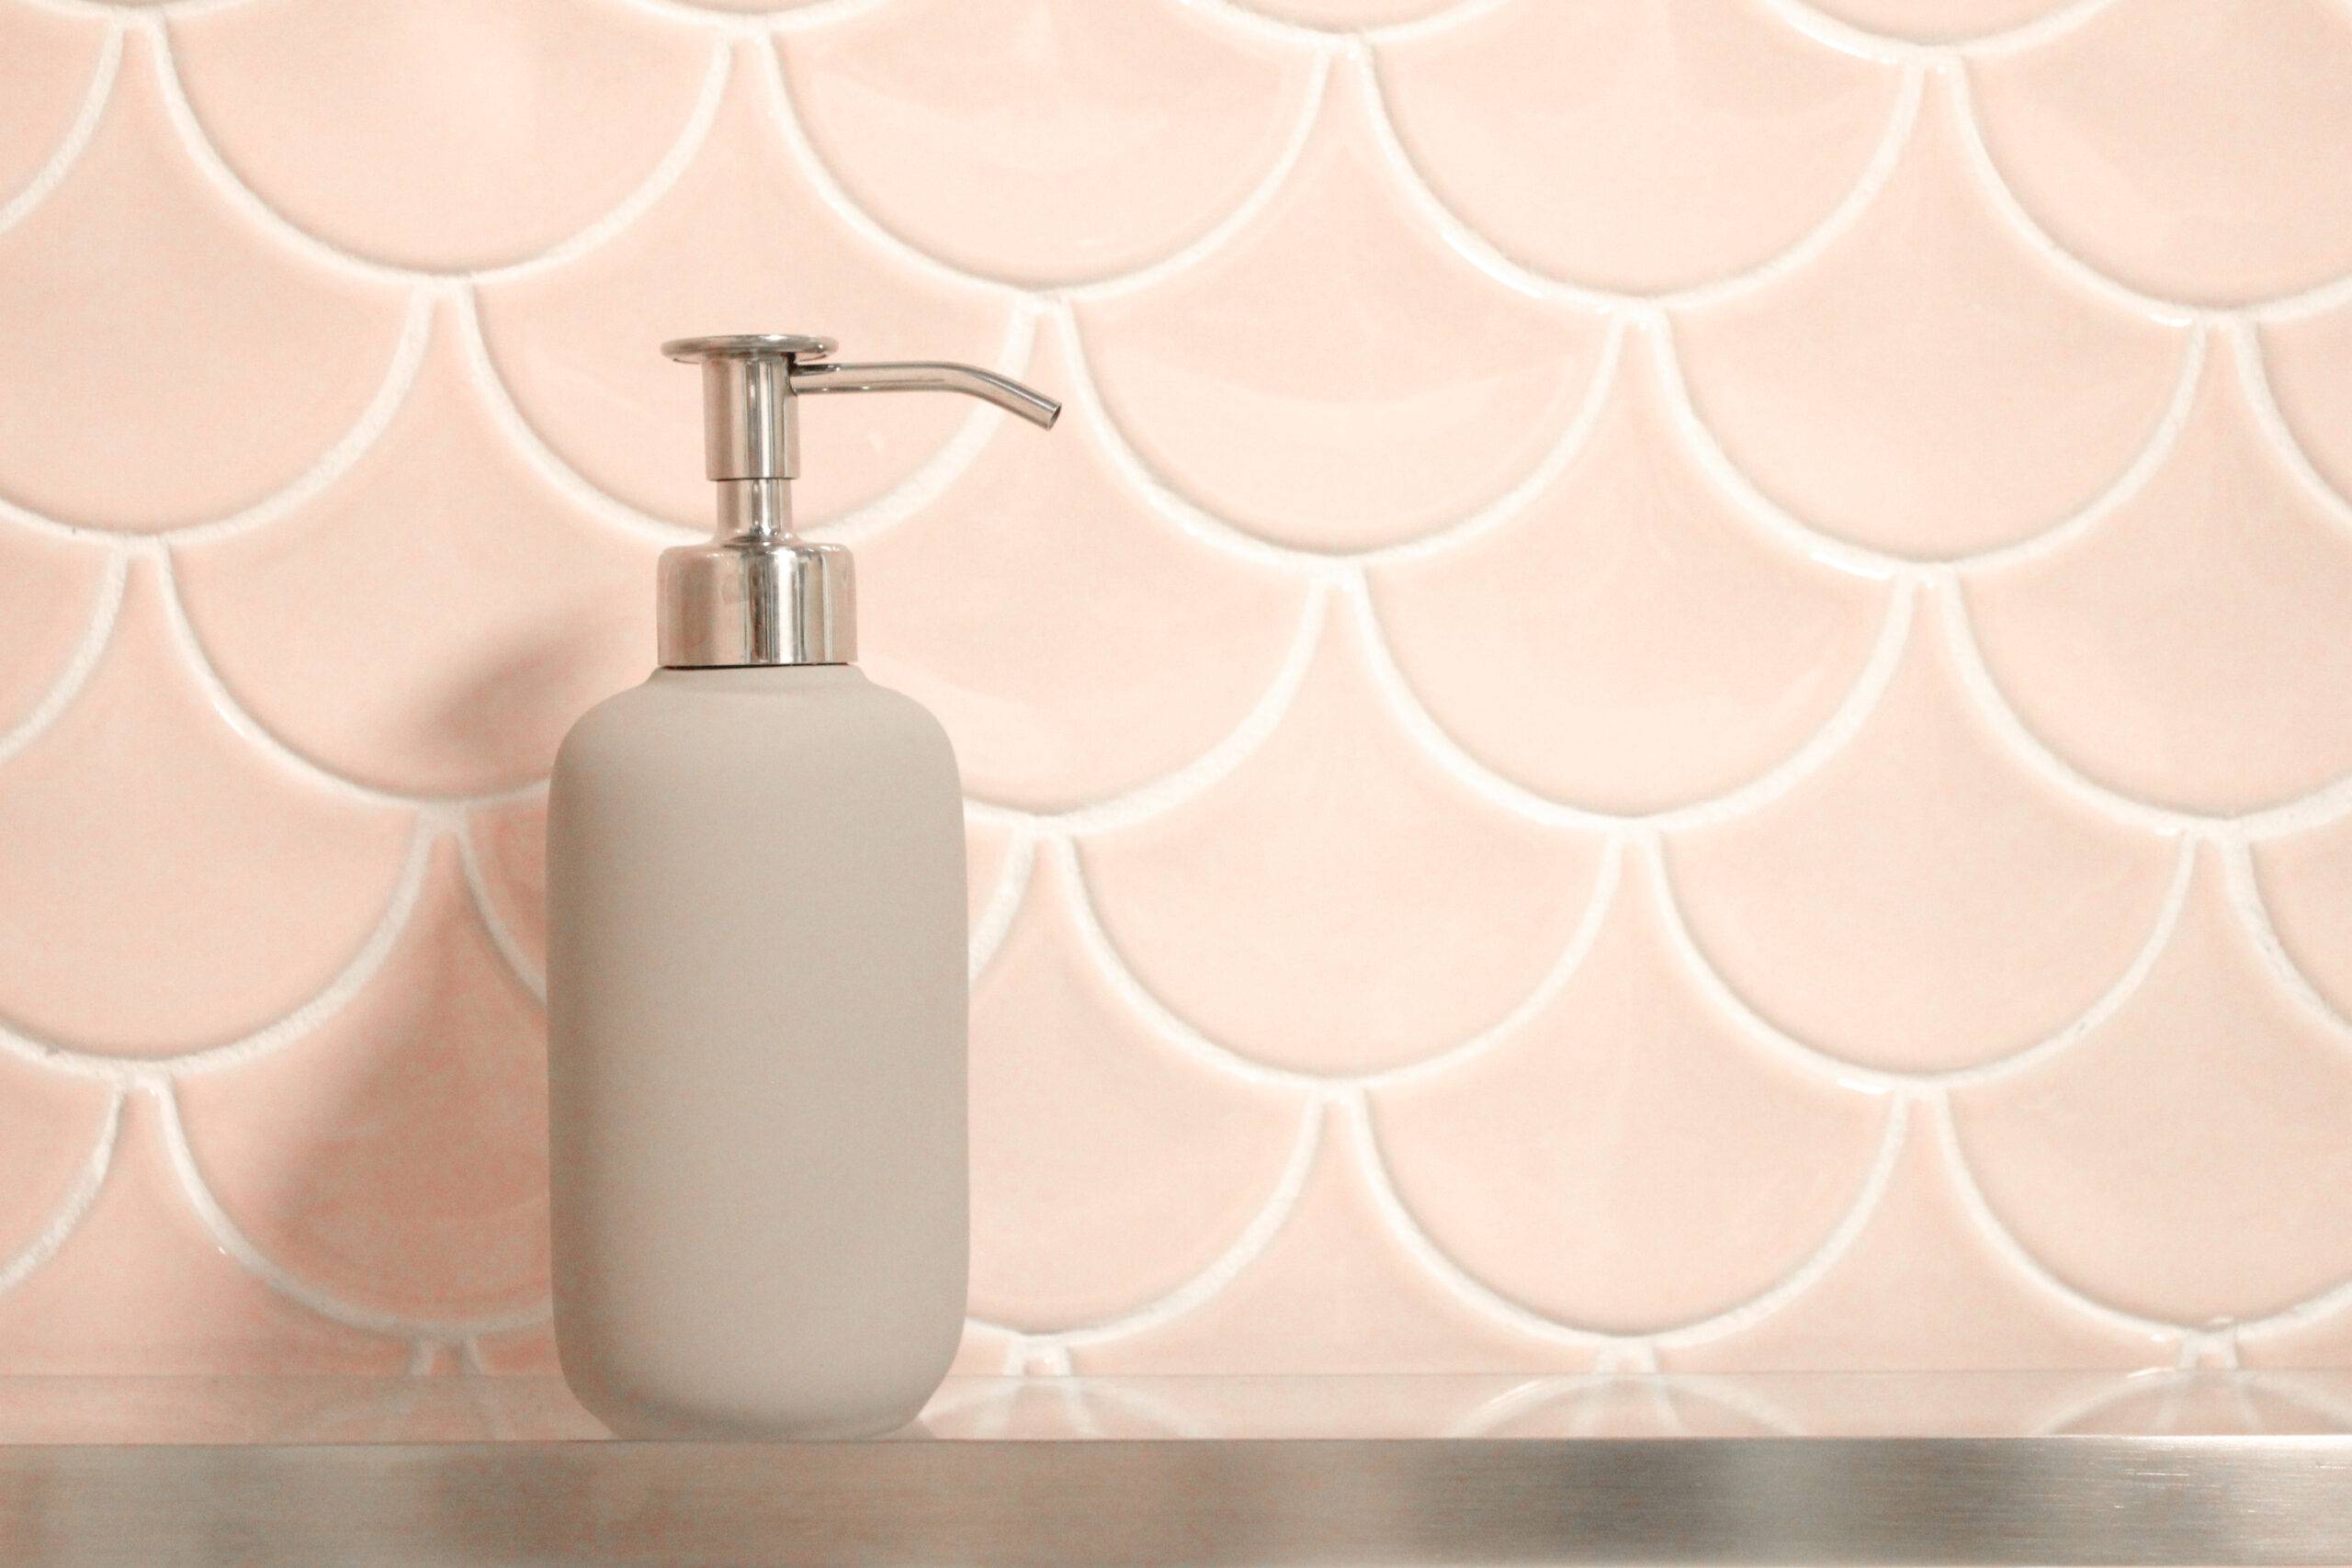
[[757, 980]]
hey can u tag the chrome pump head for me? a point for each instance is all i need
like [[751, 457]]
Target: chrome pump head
[[758, 593]]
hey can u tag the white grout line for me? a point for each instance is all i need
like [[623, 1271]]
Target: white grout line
[[2326, 1304], [1245, 212], [2315, 808], [2262, 402], [232, 710], [241, 197], [2318, 299], [1994, 184], [324, 1303], [1165, 498], [2179, 409], [1247, 17], [338, 459], [657, 183], [1245, 1249], [1823, 1063], [523, 439], [1808, 17], [86, 655], [1466, 239], [1606, 372], [1158, 495], [784, 116], [1992, 705], [1165, 794], [2022, 1263], [2244, 885], [786, 17], [1845, 723], [1728, 480], [1439, 1265], [1172, 1029], [1463, 238], [2115, 1390], [502, 935], [76, 139], [2334, 1302], [354, 977], [1166, 1024], [1535, 1394], [995, 920], [75, 1207], [1877, 173], [391, 396], [1877, 1179], [2036, 31], [244, 198], [1816, 543], [1853, 712], [1281, 1201], [1607, 881]]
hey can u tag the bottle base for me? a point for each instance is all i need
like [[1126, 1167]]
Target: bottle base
[[635, 1416]]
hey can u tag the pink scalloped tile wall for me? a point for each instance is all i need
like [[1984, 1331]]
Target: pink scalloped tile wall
[[1681, 695]]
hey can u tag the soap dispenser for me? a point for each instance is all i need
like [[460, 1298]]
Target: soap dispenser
[[756, 975]]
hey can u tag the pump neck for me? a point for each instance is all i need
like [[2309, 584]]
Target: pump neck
[[757, 593]]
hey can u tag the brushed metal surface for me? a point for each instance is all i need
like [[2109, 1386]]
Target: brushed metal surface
[[2211, 1500]]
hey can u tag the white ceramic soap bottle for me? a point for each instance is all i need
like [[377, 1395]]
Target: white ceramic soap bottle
[[756, 976]]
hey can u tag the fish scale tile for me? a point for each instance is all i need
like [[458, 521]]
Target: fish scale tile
[[1046, 142], [1676, 704], [135, 257], [52, 66], [1637, 146], [386, 128]]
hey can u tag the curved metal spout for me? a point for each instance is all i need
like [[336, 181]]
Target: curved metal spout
[[757, 594], [924, 376]]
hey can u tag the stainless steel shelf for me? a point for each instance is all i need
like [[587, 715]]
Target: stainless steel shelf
[[2208, 1468]]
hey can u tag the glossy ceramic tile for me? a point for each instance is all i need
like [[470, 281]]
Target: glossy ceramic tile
[[2188, 650], [435, 619], [174, 882], [1879, 391], [1182, 643], [743, 231], [145, 1284], [1336, 377], [1337, 903], [1923, 902], [1635, 145], [1644, 1165], [1679, 652], [171, 360], [52, 67], [2116, 140], [1079, 1115], [2187, 1162], [1674, 702], [397, 1156], [1047, 141], [390, 128]]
